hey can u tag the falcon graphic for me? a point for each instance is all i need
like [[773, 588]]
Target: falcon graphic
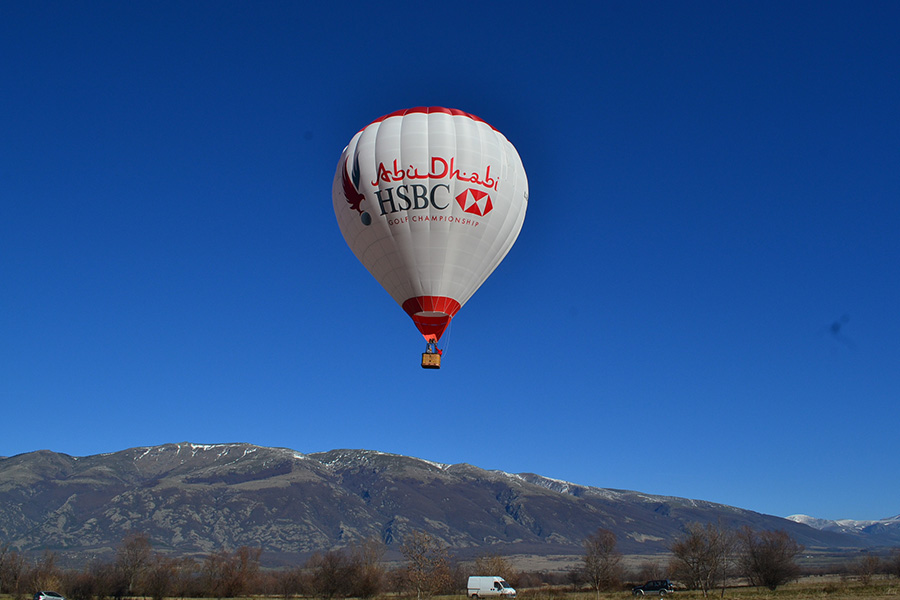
[[351, 188]]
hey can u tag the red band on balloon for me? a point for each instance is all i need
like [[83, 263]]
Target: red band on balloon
[[431, 109], [431, 314]]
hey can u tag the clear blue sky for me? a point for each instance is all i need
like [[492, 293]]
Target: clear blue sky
[[704, 300]]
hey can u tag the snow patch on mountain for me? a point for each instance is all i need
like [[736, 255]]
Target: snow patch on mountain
[[556, 485], [845, 525], [441, 466]]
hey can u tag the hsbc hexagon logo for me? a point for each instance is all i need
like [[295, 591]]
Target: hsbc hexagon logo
[[475, 202]]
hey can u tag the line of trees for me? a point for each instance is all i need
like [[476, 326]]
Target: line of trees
[[138, 571], [705, 557]]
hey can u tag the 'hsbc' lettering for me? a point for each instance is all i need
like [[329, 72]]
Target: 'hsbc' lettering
[[419, 199]]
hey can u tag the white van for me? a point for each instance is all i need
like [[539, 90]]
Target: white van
[[486, 586]]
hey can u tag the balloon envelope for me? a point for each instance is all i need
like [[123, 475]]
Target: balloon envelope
[[430, 200]]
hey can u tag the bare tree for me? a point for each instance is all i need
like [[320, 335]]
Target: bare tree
[[107, 582], [702, 557], [893, 563], [81, 585], [768, 558], [723, 545], [867, 567], [287, 583], [45, 575], [228, 575], [366, 558], [651, 569], [131, 559], [185, 583], [575, 577], [331, 574], [4, 551], [159, 577], [602, 561], [494, 564], [12, 570], [248, 568], [356, 572], [427, 564]]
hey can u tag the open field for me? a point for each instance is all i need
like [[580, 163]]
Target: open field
[[827, 588], [830, 588], [809, 562]]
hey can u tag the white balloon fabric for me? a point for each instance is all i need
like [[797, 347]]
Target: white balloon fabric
[[430, 200]]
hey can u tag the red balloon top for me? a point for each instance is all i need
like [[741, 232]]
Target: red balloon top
[[431, 109]]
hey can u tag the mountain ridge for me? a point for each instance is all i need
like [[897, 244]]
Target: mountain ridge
[[889, 525], [192, 499]]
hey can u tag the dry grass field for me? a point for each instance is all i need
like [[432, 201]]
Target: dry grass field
[[809, 589], [828, 588]]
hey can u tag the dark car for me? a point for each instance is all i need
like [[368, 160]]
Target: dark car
[[657, 587]]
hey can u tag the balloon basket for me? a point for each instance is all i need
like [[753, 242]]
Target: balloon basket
[[431, 358], [431, 361]]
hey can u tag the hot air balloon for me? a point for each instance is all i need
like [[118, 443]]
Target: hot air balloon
[[430, 200]]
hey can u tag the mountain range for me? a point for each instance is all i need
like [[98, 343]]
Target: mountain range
[[885, 532], [192, 499]]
